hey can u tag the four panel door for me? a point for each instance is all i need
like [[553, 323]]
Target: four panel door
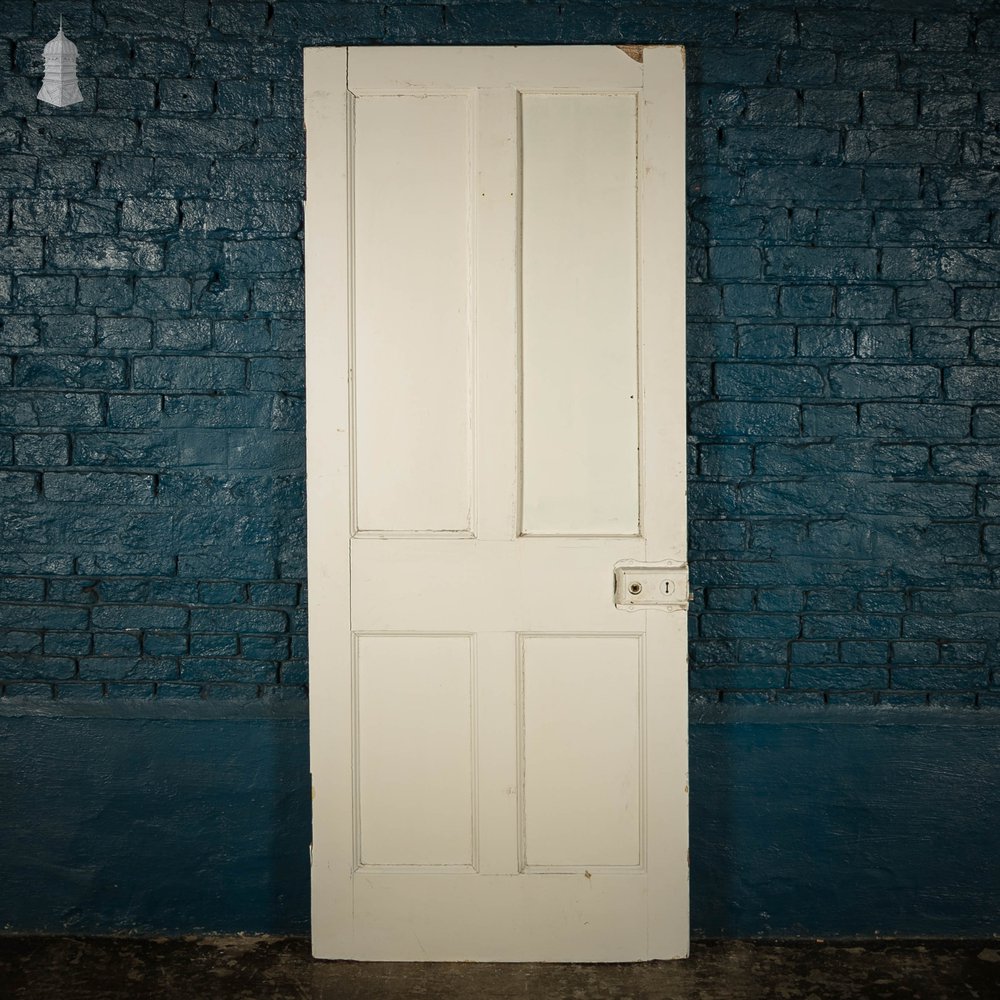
[[495, 256]]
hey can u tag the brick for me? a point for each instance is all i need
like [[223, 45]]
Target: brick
[[965, 264], [986, 421], [725, 460], [162, 295], [842, 226], [95, 253], [948, 109], [179, 96], [281, 594], [43, 293], [98, 487], [67, 174], [263, 256], [218, 134], [125, 95], [982, 304], [895, 146], [72, 332], [829, 420], [737, 677], [34, 668], [821, 262], [162, 56], [116, 644], [149, 215], [966, 460], [856, 494], [39, 214], [244, 98], [936, 71], [943, 32], [220, 297], [134, 412], [781, 144], [21, 253], [104, 293], [21, 642], [955, 225], [710, 340], [165, 372], [874, 381], [801, 68], [747, 300], [807, 301], [129, 333], [916, 653], [938, 678], [892, 183], [277, 374], [883, 341], [718, 419], [52, 136], [889, 107], [128, 668], [831, 107], [754, 380], [806, 183], [931, 300], [18, 331], [729, 599], [869, 302], [214, 645], [825, 342], [813, 652], [183, 334], [49, 409], [933, 421], [865, 653], [941, 343], [838, 677], [751, 66], [118, 450], [42, 617], [836, 626], [844, 456], [41, 449], [259, 647], [69, 372], [235, 669], [981, 382], [734, 262], [67, 643]]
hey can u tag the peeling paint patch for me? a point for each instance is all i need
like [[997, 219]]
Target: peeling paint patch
[[633, 51]]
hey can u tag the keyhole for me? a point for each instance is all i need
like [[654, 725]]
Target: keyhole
[[635, 588]]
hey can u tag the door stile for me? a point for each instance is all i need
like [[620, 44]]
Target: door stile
[[328, 493], [664, 481]]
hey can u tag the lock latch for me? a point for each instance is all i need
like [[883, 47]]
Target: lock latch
[[651, 585]]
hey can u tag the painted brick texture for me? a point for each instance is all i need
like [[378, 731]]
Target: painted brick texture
[[843, 322]]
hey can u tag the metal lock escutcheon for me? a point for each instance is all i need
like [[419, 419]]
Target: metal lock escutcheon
[[651, 585]]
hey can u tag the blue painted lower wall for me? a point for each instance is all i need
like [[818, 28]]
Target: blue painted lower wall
[[817, 823]]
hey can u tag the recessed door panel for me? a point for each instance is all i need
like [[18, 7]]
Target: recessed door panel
[[582, 707], [412, 307], [415, 750], [579, 343]]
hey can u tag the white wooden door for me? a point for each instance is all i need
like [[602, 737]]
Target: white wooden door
[[495, 382]]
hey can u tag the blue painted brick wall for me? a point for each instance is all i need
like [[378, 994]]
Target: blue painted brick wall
[[844, 330]]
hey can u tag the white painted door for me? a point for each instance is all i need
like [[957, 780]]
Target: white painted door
[[495, 382]]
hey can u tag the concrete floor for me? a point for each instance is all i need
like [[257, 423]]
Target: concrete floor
[[39, 968]]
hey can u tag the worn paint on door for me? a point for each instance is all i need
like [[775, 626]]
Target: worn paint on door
[[495, 381]]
